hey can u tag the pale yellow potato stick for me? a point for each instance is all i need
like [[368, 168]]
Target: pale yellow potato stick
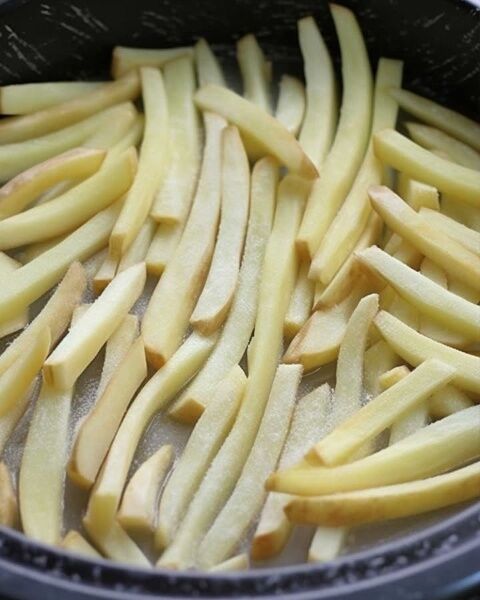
[[240, 562], [173, 300], [204, 442], [378, 359], [8, 499], [139, 248], [18, 321], [290, 108], [447, 401], [139, 502], [256, 72], [461, 211], [345, 156], [73, 208], [162, 247], [105, 274], [320, 119], [208, 67], [73, 541], [417, 193], [249, 493], [381, 412], [434, 139], [115, 544], [416, 348], [455, 230], [18, 129], [238, 328], [434, 114], [417, 456], [301, 302], [23, 189], [402, 154], [326, 544], [264, 130], [352, 218], [414, 228], [85, 339], [125, 59], [112, 133], [132, 137], [9, 420], [174, 198], [216, 297], [152, 163]]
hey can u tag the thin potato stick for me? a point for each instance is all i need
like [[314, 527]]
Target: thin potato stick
[[20, 320], [455, 230], [8, 499], [125, 59], [434, 114], [320, 120], [162, 247], [152, 164], [239, 562], [404, 155], [300, 306], [105, 274], [214, 302], [345, 156], [416, 193], [18, 129], [256, 72], [139, 248], [447, 401], [326, 544], [249, 493], [291, 103], [239, 325], [9, 421], [132, 137], [76, 543], [172, 302], [114, 543], [378, 359], [208, 67]]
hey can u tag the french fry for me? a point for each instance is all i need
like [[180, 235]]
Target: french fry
[[76, 543], [391, 502], [98, 430], [417, 193], [455, 259], [162, 247], [404, 155], [216, 297], [265, 131], [172, 302], [249, 493], [455, 230], [346, 228], [139, 248], [114, 543], [204, 442], [8, 265], [378, 359], [309, 418], [345, 156], [208, 67], [125, 59], [277, 280], [256, 72], [22, 190], [434, 139], [139, 503], [85, 339], [381, 412], [300, 306], [434, 114], [72, 208], [416, 348], [417, 456], [24, 127], [152, 164], [105, 274], [25, 98], [174, 198], [320, 120], [239, 325], [239, 562], [8, 500], [291, 103]]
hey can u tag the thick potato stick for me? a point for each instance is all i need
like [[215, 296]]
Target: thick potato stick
[[392, 502], [208, 67], [162, 247], [239, 562], [125, 59], [18, 321], [320, 119], [417, 456], [139, 248], [382, 411], [239, 325], [291, 103], [18, 129], [347, 226], [256, 72], [25, 187], [76, 543], [455, 259], [309, 418], [300, 306], [447, 401], [152, 164], [9, 421], [416, 193], [139, 503], [174, 198], [434, 114], [132, 137], [114, 543], [204, 442], [344, 158], [8, 499], [461, 212], [455, 230], [249, 492], [73, 208], [172, 302], [404, 155], [214, 302], [378, 359], [85, 339], [112, 132], [105, 274], [277, 281], [260, 127]]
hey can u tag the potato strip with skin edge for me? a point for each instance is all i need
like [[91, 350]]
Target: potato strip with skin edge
[[20, 320], [291, 103], [345, 156], [168, 312], [256, 72], [125, 59], [239, 325], [216, 297]]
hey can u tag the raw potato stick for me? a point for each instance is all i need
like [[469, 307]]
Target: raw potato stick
[[75, 542], [236, 563], [256, 72], [208, 67], [139, 248], [105, 274], [457, 231], [162, 247], [20, 320], [291, 103], [125, 59], [8, 499], [115, 544], [300, 306]]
